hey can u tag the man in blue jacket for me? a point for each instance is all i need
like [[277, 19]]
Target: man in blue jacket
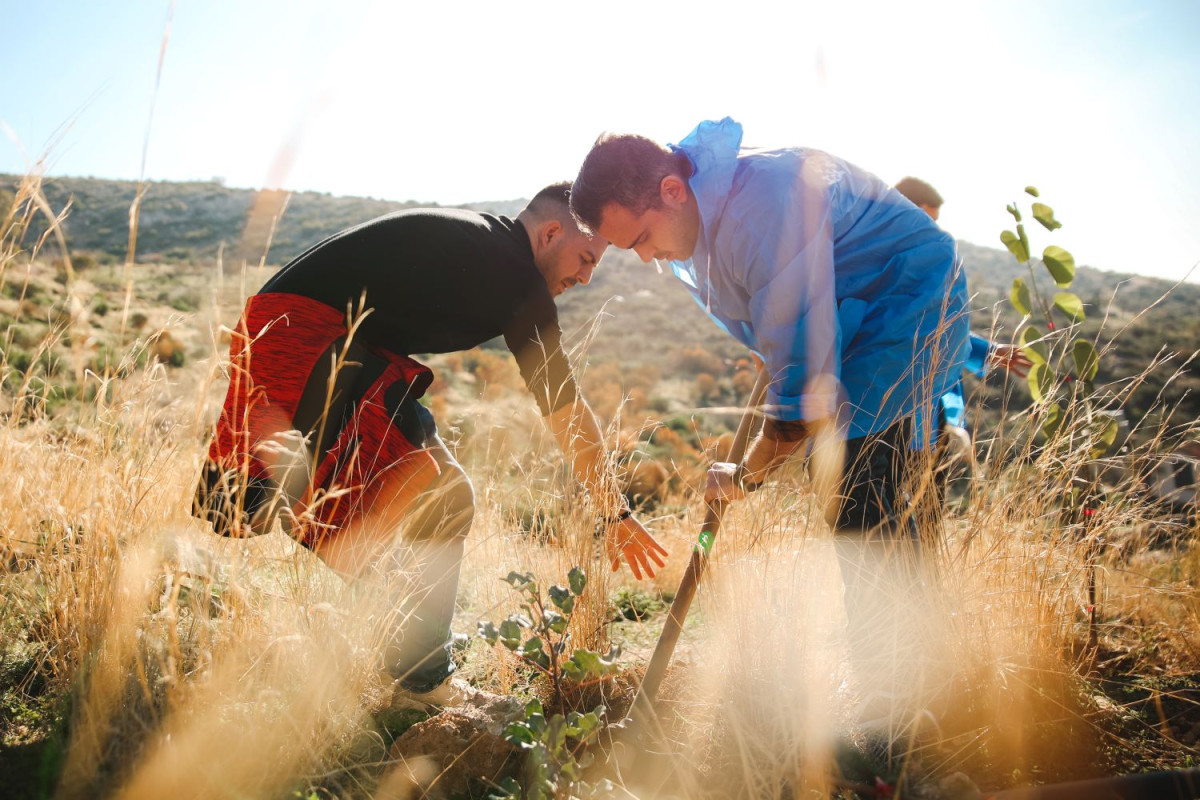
[[851, 296]]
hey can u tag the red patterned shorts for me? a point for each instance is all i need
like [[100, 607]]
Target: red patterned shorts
[[363, 430]]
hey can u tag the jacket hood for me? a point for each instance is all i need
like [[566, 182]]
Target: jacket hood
[[713, 150]]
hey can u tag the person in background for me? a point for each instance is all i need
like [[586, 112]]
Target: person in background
[[984, 355]]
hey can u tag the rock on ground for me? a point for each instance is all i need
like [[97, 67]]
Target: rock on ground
[[455, 751]]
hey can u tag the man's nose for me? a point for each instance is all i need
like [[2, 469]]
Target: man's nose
[[644, 253], [585, 274]]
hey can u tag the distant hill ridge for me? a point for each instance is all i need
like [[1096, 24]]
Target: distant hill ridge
[[193, 221]]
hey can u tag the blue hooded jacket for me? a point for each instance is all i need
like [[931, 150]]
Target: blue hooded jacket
[[849, 292]]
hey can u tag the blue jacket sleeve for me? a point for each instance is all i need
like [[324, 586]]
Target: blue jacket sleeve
[[977, 358]]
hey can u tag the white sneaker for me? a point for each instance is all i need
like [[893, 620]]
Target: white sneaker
[[451, 692]]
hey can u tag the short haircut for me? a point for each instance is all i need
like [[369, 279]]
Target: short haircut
[[919, 192], [551, 201], [625, 169]]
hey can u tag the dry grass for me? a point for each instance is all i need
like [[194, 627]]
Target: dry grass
[[191, 666]]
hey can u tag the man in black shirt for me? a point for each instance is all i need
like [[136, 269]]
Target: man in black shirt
[[321, 428]]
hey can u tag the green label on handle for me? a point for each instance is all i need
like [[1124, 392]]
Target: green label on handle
[[706, 541]]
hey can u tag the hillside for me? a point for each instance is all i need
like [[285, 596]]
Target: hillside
[[646, 317]]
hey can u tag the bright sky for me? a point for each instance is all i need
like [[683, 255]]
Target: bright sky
[[1094, 101]]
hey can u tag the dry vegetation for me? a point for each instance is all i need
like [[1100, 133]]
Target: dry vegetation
[[142, 657]]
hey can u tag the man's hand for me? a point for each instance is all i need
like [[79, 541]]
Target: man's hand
[[1011, 358], [722, 483], [629, 539]]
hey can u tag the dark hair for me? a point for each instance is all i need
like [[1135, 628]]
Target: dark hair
[[557, 194], [919, 192], [624, 169]]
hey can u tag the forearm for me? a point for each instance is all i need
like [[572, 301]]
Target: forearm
[[767, 454], [578, 434]]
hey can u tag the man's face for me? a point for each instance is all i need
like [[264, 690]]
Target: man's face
[[570, 258], [666, 232]]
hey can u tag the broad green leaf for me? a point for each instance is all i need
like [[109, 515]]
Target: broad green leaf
[[487, 630], [534, 651], [1024, 240], [1016, 212], [585, 725], [1041, 382], [1020, 297], [519, 734], [520, 619], [1052, 421], [1045, 215], [1030, 346], [1031, 190], [1087, 360], [561, 596], [511, 788], [510, 634], [1013, 243], [578, 580], [590, 663], [555, 621], [1106, 429], [1071, 305], [556, 733], [1060, 264], [518, 580], [534, 707]]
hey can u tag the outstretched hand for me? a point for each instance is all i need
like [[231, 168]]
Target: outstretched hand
[[630, 540], [1011, 358]]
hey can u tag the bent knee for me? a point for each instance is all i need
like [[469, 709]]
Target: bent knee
[[447, 506], [458, 495]]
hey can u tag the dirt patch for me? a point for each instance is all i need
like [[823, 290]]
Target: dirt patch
[[459, 750]]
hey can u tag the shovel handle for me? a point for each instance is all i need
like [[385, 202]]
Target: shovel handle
[[665, 648]]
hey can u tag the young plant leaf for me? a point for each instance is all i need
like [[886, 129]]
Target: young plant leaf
[[487, 631], [1106, 429], [555, 622], [518, 580], [584, 725], [510, 634], [535, 652], [578, 580], [1045, 215], [1013, 243], [1016, 212], [508, 786], [590, 664], [561, 596], [1032, 191], [1024, 240], [519, 734], [1087, 360], [1041, 382], [1052, 421], [1060, 264], [1031, 347], [1021, 299], [1071, 305]]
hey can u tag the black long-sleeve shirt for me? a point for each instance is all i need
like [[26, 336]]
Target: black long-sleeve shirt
[[438, 281]]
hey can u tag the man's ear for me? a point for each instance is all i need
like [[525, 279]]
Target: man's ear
[[549, 231], [673, 190]]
